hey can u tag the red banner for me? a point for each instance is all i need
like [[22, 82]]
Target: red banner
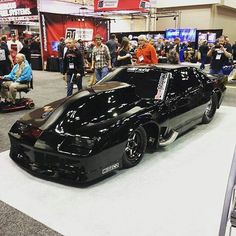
[[55, 26], [121, 5], [15, 8]]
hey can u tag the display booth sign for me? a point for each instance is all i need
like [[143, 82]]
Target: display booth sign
[[55, 26], [121, 5], [185, 35], [17, 10], [78, 33]]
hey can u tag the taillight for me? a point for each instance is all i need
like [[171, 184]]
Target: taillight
[[28, 130], [35, 132]]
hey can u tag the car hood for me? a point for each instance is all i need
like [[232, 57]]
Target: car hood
[[87, 108]]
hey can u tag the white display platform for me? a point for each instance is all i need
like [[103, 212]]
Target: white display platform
[[176, 191]]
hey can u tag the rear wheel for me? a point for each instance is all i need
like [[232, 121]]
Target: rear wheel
[[30, 105], [210, 109], [135, 148]]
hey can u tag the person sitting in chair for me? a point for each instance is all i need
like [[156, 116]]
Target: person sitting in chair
[[19, 78]]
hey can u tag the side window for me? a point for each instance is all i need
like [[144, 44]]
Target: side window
[[201, 76], [145, 81], [184, 80]]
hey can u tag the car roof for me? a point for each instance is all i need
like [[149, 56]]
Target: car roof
[[162, 66]]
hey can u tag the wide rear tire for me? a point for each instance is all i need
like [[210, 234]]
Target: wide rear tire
[[210, 110], [135, 148]]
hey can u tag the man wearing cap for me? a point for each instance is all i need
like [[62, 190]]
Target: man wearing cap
[[101, 59], [145, 53]]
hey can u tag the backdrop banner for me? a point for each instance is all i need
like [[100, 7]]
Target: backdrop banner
[[18, 10], [121, 5], [55, 26]]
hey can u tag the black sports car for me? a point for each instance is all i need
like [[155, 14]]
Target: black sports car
[[110, 125]]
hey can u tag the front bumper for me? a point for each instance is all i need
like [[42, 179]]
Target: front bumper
[[64, 168]]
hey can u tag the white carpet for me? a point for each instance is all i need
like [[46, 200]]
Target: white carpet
[[177, 191]]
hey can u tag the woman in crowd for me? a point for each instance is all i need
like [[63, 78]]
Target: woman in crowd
[[124, 56]]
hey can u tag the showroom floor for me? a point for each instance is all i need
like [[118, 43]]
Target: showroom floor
[[178, 190]]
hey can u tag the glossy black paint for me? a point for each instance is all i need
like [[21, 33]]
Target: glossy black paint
[[83, 137]]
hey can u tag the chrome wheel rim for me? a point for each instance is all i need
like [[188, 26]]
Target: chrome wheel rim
[[209, 108], [133, 147]]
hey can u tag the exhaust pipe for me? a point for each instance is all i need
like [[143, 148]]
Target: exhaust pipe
[[170, 140]]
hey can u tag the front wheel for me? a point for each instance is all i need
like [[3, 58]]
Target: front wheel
[[210, 109], [135, 148]]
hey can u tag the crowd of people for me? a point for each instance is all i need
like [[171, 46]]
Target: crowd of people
[[99, 57], [102, 57]]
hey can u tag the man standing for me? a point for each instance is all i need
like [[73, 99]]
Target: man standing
[[112, 46], [220, 55], [60, 49], [203, 50], [101, 59], [5, 57], [73, 66], [145, 53], [234, 50], [14, 46]]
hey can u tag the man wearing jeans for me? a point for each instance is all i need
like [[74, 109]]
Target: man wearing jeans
[[101, 59], [73, 66]]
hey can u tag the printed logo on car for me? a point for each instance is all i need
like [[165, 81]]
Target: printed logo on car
[[110, 168]]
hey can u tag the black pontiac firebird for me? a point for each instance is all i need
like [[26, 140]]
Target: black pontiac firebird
[[110, 125]]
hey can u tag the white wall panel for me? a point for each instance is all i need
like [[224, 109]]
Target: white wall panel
[[126, 25], [178, 3], [225, 19], [199, 17], [230, 3]]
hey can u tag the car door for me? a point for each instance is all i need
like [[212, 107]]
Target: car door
[[182, 97]]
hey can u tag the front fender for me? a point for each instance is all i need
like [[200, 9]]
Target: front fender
[[123, 128]]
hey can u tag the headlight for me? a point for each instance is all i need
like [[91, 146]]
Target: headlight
[[83, 142], [77, 145]]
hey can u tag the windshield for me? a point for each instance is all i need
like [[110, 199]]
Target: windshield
[[149, 82]]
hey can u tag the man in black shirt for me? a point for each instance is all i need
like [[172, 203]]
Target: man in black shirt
[[220, 54], [6, 66], [5, 57], [73, 66], [60, 50], [203, 49], [26, 50], [112, 46], [234, 50]]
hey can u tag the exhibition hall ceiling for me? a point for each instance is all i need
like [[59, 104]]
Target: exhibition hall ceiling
[[81, 2]]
